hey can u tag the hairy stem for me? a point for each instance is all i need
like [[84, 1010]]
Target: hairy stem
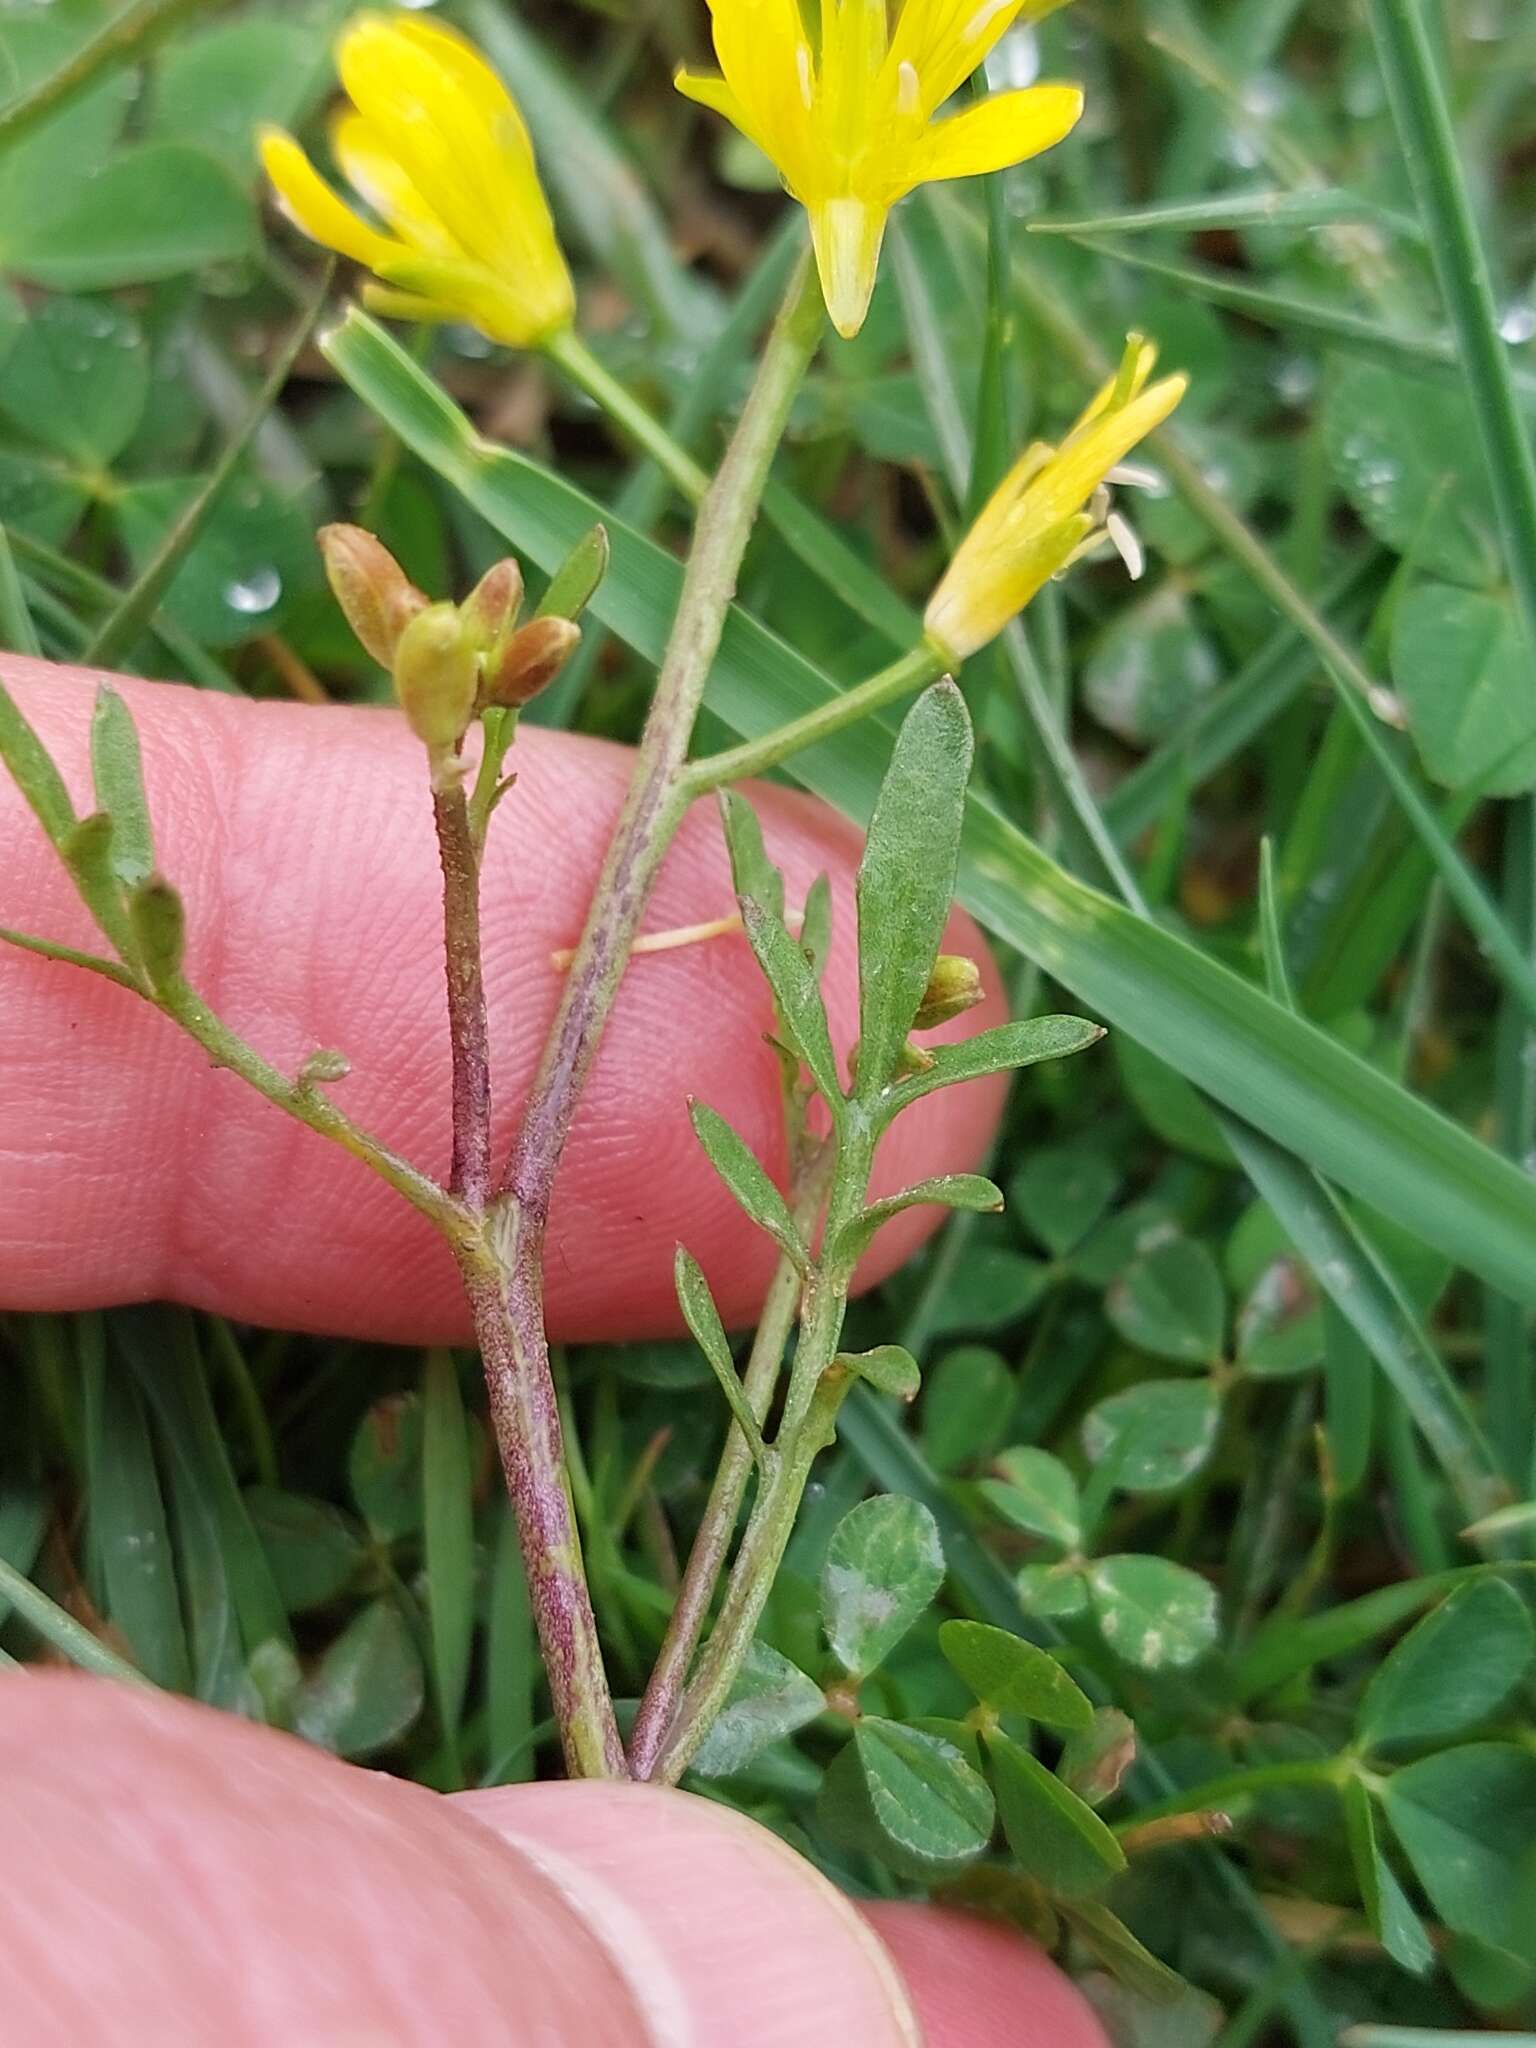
[[467, 1030], [712, 1543], [526, 1418], [181, 1002]]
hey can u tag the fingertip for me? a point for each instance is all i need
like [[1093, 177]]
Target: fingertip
[[978, 1984]]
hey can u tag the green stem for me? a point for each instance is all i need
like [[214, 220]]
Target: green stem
[[568, 352], [62, 1630], [911, 672], [817, 1389], [707, 1557], [225, 1048], [1424, 125], [1218, 1792]]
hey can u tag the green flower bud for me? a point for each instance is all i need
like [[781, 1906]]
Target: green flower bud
[[954, 986], [376, 598], [437, 674]]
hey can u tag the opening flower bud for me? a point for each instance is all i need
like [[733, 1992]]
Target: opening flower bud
[[437, 673], [377, 599], [533, 658], [953, 987], [491, 608]]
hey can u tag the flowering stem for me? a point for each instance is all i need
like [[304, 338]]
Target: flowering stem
[[471, 1172], [653, 808], [910, 672], [570, 353]]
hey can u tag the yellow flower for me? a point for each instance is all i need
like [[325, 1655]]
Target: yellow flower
[[850, 127], [436, 148], [1034, 523]]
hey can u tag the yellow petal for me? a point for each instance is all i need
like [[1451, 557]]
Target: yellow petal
[[371, 170], [1092, 452], [311, 205], [711, 91], [991, 579], [1136, 366], [480, 84], [438, 129], [999, 131], [766, 59], [945, 40], [847, 234]]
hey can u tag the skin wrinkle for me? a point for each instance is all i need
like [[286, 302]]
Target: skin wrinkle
[[321, 872]]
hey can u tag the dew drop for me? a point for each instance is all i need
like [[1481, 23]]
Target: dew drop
[[256, 593]]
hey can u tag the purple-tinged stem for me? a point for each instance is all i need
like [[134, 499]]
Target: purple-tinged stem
[[470, 1175]]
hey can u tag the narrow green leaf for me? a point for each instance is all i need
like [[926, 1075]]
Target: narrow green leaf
[[884, 1565], [68, 956], [753, 874], [448, 1531], [888, 1368], [158, 921], [906, 879], [572, 586], [972, 1192], [119, 777], [703, 1319], [753, 1190], [86, 851], [1057, 1837], [1000, 1050], [31, 768], [1012, 1676], [802, 1014], [128, 1527]]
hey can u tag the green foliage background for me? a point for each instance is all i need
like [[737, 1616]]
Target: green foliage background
[[1210, 1410]]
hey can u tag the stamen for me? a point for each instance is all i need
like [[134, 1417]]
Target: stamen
[[980, 20], [908, 96], [1127, 545], [1137, 475]]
